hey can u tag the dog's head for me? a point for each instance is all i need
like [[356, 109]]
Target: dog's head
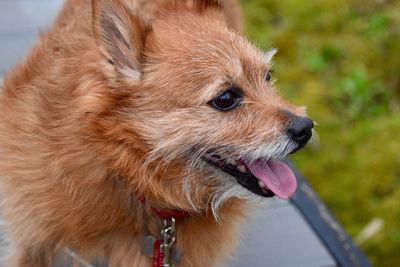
[[198, 120]]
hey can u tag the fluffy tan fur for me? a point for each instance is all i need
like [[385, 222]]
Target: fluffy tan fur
[[109, 107]]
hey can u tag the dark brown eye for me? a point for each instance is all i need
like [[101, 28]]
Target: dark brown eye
[[227, 101], [268, 75]]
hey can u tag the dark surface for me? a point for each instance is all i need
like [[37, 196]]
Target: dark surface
[[325, 225], [277, 235]]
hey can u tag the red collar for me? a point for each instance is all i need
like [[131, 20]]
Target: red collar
[[168, 214]]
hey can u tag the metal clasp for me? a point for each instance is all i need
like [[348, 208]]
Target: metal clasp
[[168, 238]]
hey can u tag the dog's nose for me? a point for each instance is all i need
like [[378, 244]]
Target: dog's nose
[[300, 130]]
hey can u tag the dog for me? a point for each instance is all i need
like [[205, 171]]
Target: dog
[[132, 120]]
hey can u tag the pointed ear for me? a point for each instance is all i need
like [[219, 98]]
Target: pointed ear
[[120, 35], [192, 5], [229, 8], [206, 3]]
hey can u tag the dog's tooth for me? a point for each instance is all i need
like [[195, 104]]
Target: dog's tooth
[[231, 161], [261, 184], [241, 168]]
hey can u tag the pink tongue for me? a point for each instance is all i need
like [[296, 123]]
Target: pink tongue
[[276, 175]]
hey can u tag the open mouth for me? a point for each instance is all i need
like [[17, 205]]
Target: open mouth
[[263, 177]]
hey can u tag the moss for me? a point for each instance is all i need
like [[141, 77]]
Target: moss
[[341, 59]]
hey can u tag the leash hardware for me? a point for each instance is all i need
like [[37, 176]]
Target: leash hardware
[[168, 238]]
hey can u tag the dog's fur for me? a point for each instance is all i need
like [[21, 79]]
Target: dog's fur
[[111, 106]]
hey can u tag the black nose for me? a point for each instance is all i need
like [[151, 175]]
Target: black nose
[[300, 130]]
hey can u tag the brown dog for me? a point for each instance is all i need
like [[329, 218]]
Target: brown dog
[[129, 112]]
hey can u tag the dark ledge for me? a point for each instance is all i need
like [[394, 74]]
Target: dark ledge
[[330, 232]]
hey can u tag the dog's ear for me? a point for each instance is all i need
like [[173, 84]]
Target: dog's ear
[[120, 35], [188, 5], [200, 4]]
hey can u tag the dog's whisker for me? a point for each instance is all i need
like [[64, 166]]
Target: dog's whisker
[[314, 141]]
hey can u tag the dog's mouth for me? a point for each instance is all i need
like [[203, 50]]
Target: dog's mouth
[[263, 177]]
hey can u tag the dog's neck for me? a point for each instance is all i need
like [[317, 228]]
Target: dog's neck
[[168, 214]]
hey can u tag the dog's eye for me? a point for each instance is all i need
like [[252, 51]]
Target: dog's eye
[[227, 101], [268, 75]]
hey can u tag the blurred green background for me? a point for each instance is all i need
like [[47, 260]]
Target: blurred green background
[[341, 58]]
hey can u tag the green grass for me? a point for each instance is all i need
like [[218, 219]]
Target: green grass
[[341, 58]]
